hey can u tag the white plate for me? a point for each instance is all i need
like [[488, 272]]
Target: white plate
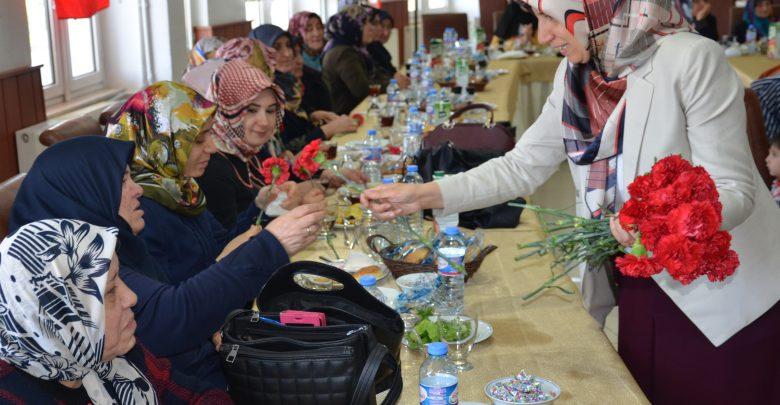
[[484, 329], [362, 144], [547, 386], [391, 296]]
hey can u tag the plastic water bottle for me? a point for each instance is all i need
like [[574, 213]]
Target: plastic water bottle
[[373, 147], [389, 229], [392, 91], [369, 283], [462, 73], [452, 249], [750, 37], [438, 377], [416, 218], [441, 222]]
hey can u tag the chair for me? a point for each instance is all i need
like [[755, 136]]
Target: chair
[[770, 72], [72, 128], [497, 15], [433, 25], [109, 112], [759, 144], [8, 191]]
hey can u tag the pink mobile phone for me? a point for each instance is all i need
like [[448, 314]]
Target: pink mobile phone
[[291, 317]]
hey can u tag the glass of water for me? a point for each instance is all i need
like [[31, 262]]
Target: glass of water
[[460, 333]]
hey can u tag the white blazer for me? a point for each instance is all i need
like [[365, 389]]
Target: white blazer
[[685, 100]]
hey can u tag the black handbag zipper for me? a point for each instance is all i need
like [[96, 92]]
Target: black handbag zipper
[[249, 352]]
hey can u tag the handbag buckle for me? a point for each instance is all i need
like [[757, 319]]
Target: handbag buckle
[[448, 125], [360, 329], [231, 357], [255, 317]]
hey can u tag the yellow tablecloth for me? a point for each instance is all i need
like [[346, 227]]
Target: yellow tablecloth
[[552, 336], [748, 68]]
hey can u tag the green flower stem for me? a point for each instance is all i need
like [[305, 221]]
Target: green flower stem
[[329, 241]]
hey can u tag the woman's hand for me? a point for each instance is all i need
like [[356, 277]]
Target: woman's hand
[[623, 237], [342, 124], [306, 192], [298, 228], [403, 80], [394, 200], [267, 194], [239, 240], [323, 116], [217, 340], [334, 181]]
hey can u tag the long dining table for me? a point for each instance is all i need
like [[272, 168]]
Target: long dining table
[[551, 336]]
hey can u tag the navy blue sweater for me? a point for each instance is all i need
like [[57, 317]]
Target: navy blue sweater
[[177, 322], [182, 245]]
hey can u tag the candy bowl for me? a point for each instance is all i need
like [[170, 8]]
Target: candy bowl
[[523, 388]]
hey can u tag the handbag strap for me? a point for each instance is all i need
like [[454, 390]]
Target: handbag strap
[[474, 106], [365, 384]]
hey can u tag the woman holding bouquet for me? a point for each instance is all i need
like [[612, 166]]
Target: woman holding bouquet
[[634, 89]]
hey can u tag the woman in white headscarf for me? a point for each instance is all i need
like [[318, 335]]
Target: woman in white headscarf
[[67, 328], [637, 86]]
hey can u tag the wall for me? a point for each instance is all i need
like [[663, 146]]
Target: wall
[[168, 38], [226, 11], [14, 43], [122, 48]]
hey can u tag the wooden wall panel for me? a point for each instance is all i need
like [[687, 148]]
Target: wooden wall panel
[[486, 10], [21, 105], [227, 31]]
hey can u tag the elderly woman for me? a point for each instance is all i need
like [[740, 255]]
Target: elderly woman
[[347, 66], [380, 57], [89, 179], [308, 27], [67, 329], [634, 89]]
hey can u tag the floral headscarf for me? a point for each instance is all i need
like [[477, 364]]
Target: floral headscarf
[[346, 28], [204, 50], [163, 121], [250, 50], [235, 85], [53, 280], [297, 25]]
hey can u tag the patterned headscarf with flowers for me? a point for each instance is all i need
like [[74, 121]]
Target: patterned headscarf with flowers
[[53, 280], [204, 50], [234, 87], [164, 120]]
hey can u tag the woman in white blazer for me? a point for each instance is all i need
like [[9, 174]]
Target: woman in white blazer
[[670, 91]]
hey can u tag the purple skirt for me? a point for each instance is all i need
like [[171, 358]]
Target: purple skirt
[[674, 363]]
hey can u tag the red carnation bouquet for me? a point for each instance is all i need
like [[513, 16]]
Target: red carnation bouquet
[[309, 160], [674, 212]]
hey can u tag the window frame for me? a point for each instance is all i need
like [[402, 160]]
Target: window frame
[[66, 87]]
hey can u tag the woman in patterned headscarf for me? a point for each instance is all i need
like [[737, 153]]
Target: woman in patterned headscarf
[[67, 328], [637, 86], [309, 28], [169, 124], [347, 65]]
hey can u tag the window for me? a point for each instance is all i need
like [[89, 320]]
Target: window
[[278, 12], [437, 4], [68, 50]]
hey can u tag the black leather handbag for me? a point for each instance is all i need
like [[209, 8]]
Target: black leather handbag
[[451, 159], [348, 361]]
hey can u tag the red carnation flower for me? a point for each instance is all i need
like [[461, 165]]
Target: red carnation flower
[[631, 214], [680, 256], [667, 169], [697, 220], [719, 261], [641, 187], [653, 228], [634, 266], [275, 170], [696, 185]]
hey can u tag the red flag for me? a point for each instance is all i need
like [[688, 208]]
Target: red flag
[[78, 8]]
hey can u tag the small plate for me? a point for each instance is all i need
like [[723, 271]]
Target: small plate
[[547, 386], [484, 329]]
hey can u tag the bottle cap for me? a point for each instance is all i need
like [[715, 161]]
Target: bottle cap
[[438, 174], [451, 230], [411, 169], [437, 348], [367, 281], [372, 132], [413, 109], [393, 81], [388, 180]]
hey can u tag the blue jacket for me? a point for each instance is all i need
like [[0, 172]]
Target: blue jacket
[[183, 246]]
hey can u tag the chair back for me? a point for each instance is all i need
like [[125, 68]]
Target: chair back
[[434, 24], [109, 112], [8, 191], [759, 143], [69, 129]]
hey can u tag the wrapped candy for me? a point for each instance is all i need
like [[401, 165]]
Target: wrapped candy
[[522, 388]]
